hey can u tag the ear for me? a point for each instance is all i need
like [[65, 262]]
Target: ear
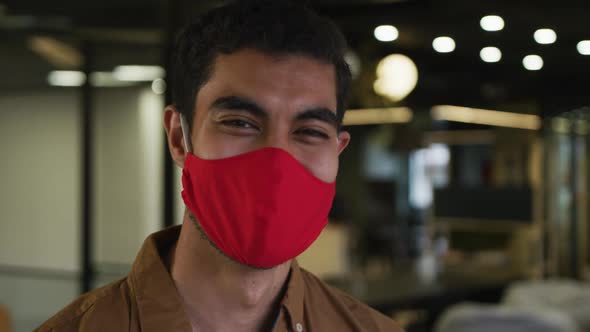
[[343, 140], [174, 135]]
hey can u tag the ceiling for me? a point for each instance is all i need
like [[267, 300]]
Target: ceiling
[[134, 31]]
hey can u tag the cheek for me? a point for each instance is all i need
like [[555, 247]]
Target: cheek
[[324, 166]]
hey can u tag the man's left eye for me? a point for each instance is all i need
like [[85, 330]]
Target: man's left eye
[[312, 133]]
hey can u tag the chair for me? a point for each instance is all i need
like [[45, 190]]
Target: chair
[[493, 318], [567, 296]]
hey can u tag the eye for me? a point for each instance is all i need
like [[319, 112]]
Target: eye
[[238, 123], [312, 133]]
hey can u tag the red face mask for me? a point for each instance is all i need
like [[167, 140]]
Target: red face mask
[[260, 208]]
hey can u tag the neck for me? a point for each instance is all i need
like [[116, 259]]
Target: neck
[[220, 294]]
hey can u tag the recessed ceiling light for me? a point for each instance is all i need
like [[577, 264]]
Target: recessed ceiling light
[[584, 47], [490, 54], [386, 33], [545, 36], [492, 23], [532, 62], [443, 44]]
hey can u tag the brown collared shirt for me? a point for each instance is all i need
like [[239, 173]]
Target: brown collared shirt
[[147, 300]]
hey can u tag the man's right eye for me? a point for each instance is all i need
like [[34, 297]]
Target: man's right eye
[[238, 124]]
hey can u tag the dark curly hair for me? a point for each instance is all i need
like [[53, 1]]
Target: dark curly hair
[[276, 27]]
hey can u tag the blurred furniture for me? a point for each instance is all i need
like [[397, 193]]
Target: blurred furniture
[[483, 203], [492, 318], [5, 323], [403, 291], [492, 228], [569, 297]]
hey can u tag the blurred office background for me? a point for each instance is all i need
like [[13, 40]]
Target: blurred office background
[[466, 180]]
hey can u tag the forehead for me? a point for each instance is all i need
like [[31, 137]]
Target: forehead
[[298, 80]]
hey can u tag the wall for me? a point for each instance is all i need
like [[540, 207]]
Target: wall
[[128, 172], [40, 192]]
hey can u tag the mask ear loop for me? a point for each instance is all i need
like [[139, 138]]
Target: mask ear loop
[[185, 132]]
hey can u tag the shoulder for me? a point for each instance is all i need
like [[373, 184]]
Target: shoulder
[[88, 312], [328, 298]]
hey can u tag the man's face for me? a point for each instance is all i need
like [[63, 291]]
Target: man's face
[[254, 100]]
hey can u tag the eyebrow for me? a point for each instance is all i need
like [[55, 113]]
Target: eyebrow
[[236, 103], [321, 114], [243, 104]]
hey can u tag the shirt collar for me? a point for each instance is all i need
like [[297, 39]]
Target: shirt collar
[[160, 306]]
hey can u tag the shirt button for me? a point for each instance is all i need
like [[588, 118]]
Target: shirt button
[[299, 327]]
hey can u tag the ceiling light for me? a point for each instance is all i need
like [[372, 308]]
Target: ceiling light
[[106, 79], [136, 73], [545, 36], [486, 117], [56, 52], [532, 62], [66, 78], [443, 44], [492, 23], [490, 54], [386, 33], [397, 76], [159, 86], [369, 116], [584, 47]]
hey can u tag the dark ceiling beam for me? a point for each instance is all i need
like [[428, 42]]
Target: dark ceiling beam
[[363, 9]]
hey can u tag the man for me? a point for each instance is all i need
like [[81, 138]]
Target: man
[[258, 90]]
